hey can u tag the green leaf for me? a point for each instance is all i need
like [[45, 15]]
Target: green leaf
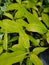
[[9, 26], [19, 1], [46, 9], [42, 43], [47, 34], [34, 41], [30, 3], [1, 41], [17, 47], [0, 1], [1, 23], [8, 15], [1, 49], [14, 39], [13, 26], [33, 26], [20, 13], [1, 35], [33, 1], [28, 62], [10, 58], [35, 59], [45, 19], [37, 28], [48, 39], [5, 43], [38, 50], [33, 18], [24, 23], [12, 6], [24, 39]]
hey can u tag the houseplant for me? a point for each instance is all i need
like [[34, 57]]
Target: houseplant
[[23, 32]]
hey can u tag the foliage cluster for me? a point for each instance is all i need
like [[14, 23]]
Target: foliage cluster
[[24, 31]]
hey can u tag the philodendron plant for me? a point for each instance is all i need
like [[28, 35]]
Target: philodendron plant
[[25, 20]]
